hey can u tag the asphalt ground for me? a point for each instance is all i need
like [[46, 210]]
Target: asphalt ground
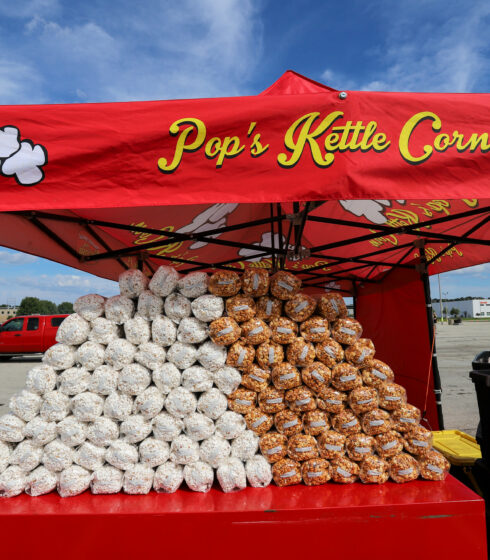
[[457, 345]]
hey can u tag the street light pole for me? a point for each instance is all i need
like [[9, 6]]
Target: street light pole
[[445, 297], [440, 298]]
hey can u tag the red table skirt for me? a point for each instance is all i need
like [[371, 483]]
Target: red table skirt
[[415, 520]]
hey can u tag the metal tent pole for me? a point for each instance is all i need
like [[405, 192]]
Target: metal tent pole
[[440, 299], [420, 244]]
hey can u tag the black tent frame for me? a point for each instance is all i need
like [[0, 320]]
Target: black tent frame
[[276, 221], [291, 248]]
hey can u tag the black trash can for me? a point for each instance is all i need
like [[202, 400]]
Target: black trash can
[[481, 378], [481, 469]]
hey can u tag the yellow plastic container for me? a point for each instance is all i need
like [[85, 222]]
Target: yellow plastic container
[[459, 448]]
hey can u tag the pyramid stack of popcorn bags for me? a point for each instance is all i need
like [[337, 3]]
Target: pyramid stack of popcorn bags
[[197, 378]]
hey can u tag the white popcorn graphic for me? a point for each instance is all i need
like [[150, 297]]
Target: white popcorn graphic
[[9, 141], [264, 243], [331, 286], [26, 163], [371, 209], [22, 159], [212, 218]]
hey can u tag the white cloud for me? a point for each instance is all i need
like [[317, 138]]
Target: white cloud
[[198, 49], [16, 258], [132, 51], [57, 287], [29, 8], [452, 290], [328, 75], [88, 42], [338, 80], [66, 282], [478, 271], [20, 81], [427, 46], [469, 281]]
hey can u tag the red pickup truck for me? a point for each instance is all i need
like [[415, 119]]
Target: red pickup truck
[[28, 335]]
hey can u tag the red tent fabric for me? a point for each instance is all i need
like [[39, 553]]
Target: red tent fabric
[[394, 315], [298, 142], [342, 188], [112, 163], [367, 228]]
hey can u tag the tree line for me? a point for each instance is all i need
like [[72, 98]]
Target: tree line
[[466, 298], [36, 306]]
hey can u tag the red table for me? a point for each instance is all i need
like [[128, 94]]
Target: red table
[[415, 520]]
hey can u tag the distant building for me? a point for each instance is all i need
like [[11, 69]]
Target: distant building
[[470, 308], [7, 312]]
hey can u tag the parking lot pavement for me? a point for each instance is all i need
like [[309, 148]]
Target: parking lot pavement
[[13, 377], [457, 345]]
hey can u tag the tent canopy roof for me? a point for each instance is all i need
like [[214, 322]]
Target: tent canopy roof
[[338, 187], [292, 83]]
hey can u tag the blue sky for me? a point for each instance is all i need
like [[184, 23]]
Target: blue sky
[[60, 51]]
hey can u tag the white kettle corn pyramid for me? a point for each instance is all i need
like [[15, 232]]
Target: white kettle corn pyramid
[[194, 379]]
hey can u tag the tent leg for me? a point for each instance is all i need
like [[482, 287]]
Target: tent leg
[[432, 343], [354, 298]]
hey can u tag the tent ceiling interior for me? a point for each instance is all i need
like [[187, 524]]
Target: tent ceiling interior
[[331, 244]]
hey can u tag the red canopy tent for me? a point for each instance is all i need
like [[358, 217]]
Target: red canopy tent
[[363, 192], [342, 188]]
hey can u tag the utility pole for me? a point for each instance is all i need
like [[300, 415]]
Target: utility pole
[[440, 298]]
